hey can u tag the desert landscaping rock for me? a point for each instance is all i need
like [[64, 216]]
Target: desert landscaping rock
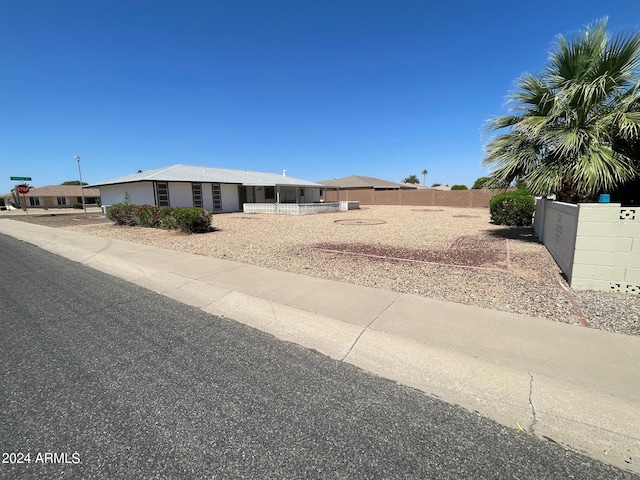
[[451, 243]]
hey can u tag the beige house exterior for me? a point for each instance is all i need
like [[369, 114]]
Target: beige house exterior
[[53, 196]]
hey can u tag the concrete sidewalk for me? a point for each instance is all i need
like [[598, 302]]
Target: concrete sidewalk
[[573, 385]]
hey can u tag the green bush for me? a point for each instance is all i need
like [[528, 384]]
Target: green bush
[[481, 183], [122, 214], [147, 216], [512, 208], [77, 205], [187, 219], [459, 187]]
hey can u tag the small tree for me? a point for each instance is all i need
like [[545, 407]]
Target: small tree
[[411, 179], [74, 182], [459, 187], [480, 183]]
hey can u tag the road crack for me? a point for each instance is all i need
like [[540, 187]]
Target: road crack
[[534, 420]]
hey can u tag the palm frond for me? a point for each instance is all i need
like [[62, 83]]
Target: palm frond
[[575, 126]]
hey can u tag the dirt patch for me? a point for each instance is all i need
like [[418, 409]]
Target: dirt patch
[[465, 251], [360, 221], [61, 220]]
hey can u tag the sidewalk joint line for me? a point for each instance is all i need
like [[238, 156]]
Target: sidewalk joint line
[[367, 328]]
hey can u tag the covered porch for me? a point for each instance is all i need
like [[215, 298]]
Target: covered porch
[[295, 194], [299, 208]]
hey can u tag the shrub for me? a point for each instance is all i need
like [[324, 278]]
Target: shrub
[[147, 215], [512, 208], [459, 187], [77, 205], [122, 214], [188, 219]]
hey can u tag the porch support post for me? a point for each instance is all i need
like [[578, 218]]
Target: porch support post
[[278, 194]]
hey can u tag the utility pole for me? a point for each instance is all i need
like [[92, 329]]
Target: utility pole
[[84, 205]]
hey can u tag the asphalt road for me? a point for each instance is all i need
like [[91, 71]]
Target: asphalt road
[[104, 379]]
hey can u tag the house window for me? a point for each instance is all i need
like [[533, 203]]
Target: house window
[[61, 201], [217, 197], [163, 194], [196, 192], [34, 201], [269, 193]]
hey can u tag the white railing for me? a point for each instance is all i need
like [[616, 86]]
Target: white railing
[[292, 208]]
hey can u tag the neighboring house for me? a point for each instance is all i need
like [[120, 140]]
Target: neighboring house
[[360, 187], [354, 182], [214, 189], [374, 191], [53, 196]]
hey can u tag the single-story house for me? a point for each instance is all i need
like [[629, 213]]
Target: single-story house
[[214, 189], [53, 196], [362, 182]]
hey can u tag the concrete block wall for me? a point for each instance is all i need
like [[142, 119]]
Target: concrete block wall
[[596, 245], [607, 251], [420, 197], [558, 233]]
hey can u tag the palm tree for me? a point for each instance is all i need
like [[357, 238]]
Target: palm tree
[[573, 126], [424, 176], [411, 179]]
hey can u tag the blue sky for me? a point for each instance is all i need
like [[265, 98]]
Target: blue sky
[[320, 88]]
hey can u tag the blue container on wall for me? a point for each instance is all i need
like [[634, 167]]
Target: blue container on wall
[[604, 198]]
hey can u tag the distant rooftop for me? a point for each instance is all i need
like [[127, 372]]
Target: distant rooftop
[[358, 181]]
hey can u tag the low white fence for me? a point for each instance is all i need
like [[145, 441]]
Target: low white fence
[[298, 208], [596, 245]]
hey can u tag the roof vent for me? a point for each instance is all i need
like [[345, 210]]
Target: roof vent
[[284, 173]]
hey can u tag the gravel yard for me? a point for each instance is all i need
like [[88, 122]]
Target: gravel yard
[[446, 253]]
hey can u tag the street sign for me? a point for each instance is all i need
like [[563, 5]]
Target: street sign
[[22, 189], [21, 179]]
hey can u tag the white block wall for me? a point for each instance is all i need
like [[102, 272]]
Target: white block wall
[[596, 245], [559, 226], [607, 252]]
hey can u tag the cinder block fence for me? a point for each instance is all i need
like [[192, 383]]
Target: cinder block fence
[[596, 245]]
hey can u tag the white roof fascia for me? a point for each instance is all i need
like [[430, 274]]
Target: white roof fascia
[[187, 173]]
